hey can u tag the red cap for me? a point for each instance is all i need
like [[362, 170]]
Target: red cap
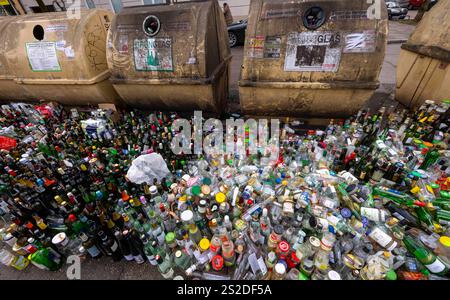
[[29, 225], [72, 218], [217, 262], [283, 246]]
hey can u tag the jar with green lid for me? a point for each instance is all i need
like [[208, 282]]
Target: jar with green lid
[[170, 240]]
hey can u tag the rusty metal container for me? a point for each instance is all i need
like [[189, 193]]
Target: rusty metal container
[[54, 57], [8, 86], [308, 58], [171, 56], [423, 70]]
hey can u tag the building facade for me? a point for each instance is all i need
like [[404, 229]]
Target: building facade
[[239, 8]]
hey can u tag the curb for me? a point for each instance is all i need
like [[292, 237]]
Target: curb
[[396, 41]]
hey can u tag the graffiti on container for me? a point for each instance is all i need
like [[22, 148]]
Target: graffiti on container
[[256, 47], [362, 42], [95, 48], [272, 47], [153, 54], [313, 52]]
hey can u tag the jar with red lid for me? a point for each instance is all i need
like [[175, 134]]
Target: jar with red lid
[[282, 250], [217, 262]]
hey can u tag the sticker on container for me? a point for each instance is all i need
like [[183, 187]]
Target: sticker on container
[[42, 56], [153, 54], [313, 52], [256, 47], [272, 47], [56, 27], [348, 15], [69, 52], [60, 45], [123, 44], [178, 26], [276, 10], [363, 42]]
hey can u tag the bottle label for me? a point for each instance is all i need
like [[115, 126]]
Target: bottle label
[[114, 247], [373, 214], [93, 251], [129, 257], [436, 267], [380, 237]]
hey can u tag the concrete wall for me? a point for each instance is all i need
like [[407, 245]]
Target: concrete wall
[[239, 8]]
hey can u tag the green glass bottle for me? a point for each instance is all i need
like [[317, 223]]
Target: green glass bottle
[[425, 256], [431, 157], [46, 259]]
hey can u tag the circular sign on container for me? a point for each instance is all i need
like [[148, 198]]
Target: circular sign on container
[[151, 25]]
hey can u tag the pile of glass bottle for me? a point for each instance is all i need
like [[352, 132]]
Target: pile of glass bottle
[[367, 198]]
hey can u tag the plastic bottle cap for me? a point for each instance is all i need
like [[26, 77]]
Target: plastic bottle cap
[[415, 190], [186, 177], [391, 275], [284, 182], [346, 213], [57, 239], [204, 244], [170, 237], [153, 189], [220, 197], [280, 268], [178, 254], [283, 246], [196, 190], [314, 241], [217, 262], [206, 181], [333, 275], [206, 190], [187, 215], [445, 240]]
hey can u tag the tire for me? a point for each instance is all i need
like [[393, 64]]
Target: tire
[[232, 39]]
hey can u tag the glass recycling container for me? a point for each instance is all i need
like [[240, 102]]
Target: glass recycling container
[[306, 58], [56, 57], [423, 71], [172, 56]]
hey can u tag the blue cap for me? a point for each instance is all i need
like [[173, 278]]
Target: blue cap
[[331, 229], [365, 221], [346, 213], [278, 180], [283, 175]]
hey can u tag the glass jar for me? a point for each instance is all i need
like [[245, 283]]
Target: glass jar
[[327, 241], [275, 237], [279, 271], [282, 250], [228, 253]]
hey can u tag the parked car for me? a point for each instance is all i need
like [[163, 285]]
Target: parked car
[[395, 11], [236, 33], [401, 3], [415, 4]]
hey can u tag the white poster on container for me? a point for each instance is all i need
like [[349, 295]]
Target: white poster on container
[[42, 57], [313, 52], [360, 42], [153, 54]]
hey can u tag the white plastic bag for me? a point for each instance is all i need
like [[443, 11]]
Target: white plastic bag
[[147, 167]]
